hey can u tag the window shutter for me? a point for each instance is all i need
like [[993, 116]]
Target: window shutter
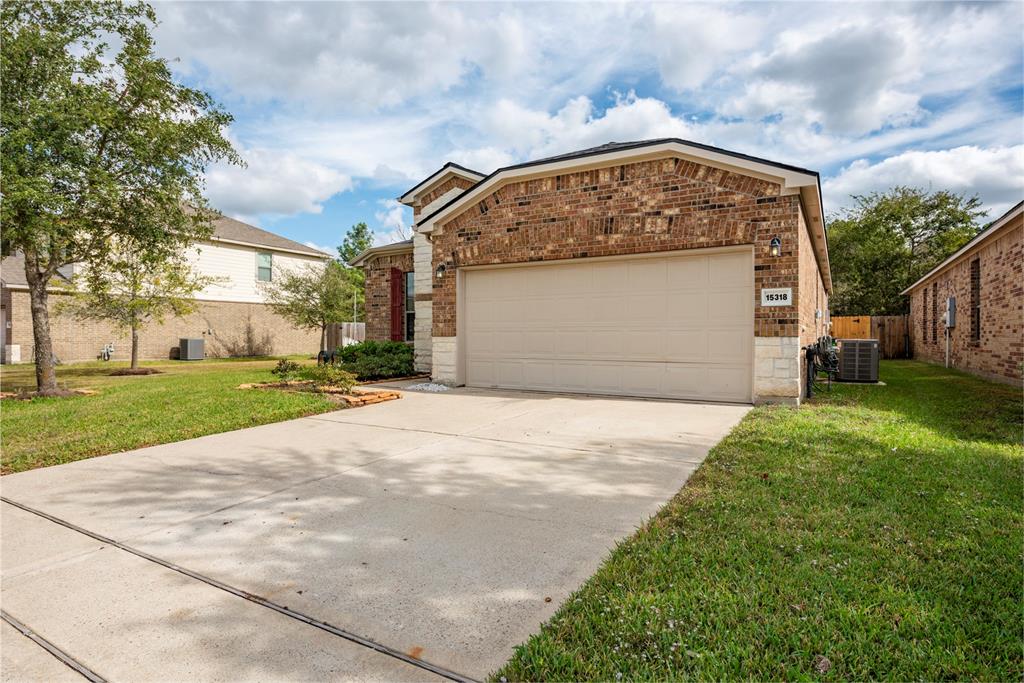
[[397, 304]]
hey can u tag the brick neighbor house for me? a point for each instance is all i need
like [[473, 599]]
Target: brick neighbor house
[[231, 316], [661, 268], [986, 280]]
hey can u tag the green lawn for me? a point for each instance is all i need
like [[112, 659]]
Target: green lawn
[[189, 399], [874, 533]]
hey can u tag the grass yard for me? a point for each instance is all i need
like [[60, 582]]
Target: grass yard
[[874, 533], [189, 399]]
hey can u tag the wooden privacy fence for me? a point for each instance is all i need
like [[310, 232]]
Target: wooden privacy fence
[[343, 334], [891, 331]]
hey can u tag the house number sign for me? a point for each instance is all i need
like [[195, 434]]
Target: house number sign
[[782, 296]]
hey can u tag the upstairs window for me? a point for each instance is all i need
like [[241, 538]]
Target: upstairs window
[[264, 266], [976, 300]]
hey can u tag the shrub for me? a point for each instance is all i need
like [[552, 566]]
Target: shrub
[[329, 376], [286, 369], [378, 359]]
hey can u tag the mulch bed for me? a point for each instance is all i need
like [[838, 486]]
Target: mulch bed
[[353, 398], [129, 372], [60, 393]]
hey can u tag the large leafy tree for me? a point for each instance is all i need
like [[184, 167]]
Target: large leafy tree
[[358, 239], [97, 144], [133, 288], [888, 240], [311, 297]]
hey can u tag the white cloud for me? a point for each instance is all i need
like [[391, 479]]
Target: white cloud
[[394, 221], [273, 182], [331, 251], [996, 174]]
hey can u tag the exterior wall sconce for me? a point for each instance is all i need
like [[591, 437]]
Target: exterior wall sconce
[[441, 270], [775, 247]]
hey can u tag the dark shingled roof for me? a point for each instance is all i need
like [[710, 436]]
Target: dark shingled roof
[[236, 231], [12, 272]]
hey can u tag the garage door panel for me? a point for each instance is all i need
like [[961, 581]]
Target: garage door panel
[[729, 270], [731, 304], [686, 346], [644, 307], [677, 327], [646, 275], [607, 276], [688, 273], [729, 345], [687, 307]]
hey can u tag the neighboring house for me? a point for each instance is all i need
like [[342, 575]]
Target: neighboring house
[[986, 279], [661, 268], [231, 317]]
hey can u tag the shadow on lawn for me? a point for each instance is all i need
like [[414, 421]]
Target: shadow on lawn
[[950, 402]]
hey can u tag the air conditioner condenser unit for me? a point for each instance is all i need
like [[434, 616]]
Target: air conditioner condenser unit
[[858, 360]]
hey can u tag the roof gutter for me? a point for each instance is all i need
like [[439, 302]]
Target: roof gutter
[[383, 250]]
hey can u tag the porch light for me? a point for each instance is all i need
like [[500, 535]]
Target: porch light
[[439, 273], [775, 247]]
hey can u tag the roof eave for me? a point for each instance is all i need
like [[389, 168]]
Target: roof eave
[[394, 248], [450, 168], [993, 228]]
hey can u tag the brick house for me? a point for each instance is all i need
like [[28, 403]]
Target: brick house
[[231, 317], [985, 278], [660, 268]]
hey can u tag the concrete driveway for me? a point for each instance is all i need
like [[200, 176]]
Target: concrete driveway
[[435, 528]]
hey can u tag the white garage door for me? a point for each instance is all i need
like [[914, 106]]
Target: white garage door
[[671, 327]]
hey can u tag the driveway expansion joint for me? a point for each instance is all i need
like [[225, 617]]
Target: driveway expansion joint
[[245, 595], [58, 653]]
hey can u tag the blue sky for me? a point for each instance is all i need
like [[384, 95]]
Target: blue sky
[[339, 107]]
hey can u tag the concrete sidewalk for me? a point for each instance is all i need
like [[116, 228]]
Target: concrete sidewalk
[[437, 525]]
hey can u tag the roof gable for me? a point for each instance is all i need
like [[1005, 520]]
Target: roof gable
[[439, 176]]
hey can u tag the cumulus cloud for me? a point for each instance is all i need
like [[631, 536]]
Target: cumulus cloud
[[393, 222], [273, 183], [996, 174]]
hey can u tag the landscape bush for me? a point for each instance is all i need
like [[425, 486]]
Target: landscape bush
[[286, 369], [377, 359], [329, 376]]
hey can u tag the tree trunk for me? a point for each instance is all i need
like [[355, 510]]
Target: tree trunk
[[135, 347], [46, 372], [323, 337]]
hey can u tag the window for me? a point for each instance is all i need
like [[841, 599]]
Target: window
[[976, 300], [410, 307], [264, 266], [924, 316], [935, 312]]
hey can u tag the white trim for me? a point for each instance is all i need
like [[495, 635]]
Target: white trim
[[266, 247], [384, 249], [425, 185], [787, 178], [988, 232]]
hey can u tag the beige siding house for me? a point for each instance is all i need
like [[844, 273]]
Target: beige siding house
[[661, 268], [232, 317]]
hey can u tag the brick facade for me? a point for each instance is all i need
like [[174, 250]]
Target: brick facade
[[998, 353], [663, 205], [378, 291], [455, 182], [222, 324]]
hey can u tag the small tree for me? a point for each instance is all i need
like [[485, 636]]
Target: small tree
[[357, 240], [95, 145], [311, 297], [134, 288]]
